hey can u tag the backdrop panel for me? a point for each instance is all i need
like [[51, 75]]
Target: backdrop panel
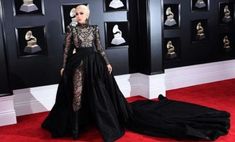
[[35, 39], [202, 31], [4, 84]]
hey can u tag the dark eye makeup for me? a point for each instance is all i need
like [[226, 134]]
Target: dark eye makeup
[[80, 13]]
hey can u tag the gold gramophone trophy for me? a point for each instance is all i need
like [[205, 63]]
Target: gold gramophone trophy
[[32, 46]]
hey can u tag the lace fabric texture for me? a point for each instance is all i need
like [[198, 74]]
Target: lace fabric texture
[[77, 87], [81, 36]]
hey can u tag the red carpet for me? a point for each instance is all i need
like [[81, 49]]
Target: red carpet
[[219, 95]]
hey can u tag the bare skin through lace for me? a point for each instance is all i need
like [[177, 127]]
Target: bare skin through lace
[[77, 84]]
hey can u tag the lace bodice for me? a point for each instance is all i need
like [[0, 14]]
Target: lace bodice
[[83, 36]]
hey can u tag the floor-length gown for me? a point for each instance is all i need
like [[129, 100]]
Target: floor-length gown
[[88, 94]]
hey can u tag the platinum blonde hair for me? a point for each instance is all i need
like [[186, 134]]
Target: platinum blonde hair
[[85, 9]]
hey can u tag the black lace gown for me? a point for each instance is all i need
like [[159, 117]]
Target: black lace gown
[[88, 95]]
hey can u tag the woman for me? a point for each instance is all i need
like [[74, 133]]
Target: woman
[[84, 93], [88, 94]]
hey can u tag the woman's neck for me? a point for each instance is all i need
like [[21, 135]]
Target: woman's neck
[[82, 24]]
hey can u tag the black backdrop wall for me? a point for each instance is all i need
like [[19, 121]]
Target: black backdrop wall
[[32, 69], [47, 22], [4, 85], [191, 49], [158, 34], [148, 45]]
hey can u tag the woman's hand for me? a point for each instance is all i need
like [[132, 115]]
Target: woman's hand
[[61, 71], [109, 68]]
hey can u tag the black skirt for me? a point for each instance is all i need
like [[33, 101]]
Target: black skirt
[[104, 105]]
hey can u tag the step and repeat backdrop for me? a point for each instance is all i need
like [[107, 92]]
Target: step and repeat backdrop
[[34, 37], [4, 84], [33, 32], [198, 31], [144, 36]]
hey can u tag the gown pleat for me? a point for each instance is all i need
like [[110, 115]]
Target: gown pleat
[[104, 105]]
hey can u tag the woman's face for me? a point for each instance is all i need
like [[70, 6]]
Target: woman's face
[[81, 16]]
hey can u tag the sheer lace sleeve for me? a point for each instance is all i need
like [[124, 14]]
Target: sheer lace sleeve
[[67, 44], [98, 45]]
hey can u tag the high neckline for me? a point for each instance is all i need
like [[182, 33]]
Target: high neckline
[[82, 25]]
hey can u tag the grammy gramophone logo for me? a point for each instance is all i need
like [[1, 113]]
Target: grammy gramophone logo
[[28, 6]]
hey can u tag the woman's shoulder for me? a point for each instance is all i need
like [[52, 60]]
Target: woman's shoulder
[[95, 27], [70, 27]]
